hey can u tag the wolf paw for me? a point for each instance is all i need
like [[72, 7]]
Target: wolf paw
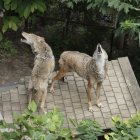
[[90, 109], [42, 109], [52, 90], [50, 82], [99, 105]]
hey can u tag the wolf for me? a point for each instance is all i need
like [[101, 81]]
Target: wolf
[[93, 69], [44, 64]]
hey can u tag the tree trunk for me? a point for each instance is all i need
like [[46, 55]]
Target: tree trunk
[[119, 41], [66, 24]]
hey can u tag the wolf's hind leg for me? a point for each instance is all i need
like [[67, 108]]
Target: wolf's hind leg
[[30, 95], [59, 75], [30, 91], [50, 78], [63, 79]]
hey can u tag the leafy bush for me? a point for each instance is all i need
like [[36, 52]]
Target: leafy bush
[[125, 129], [17, 11], [32, 126], [36, 127], [126, 13], [87, 129]]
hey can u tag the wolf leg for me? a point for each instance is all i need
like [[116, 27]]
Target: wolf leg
[[89, 90], [59, 75], [98, 89], [30, 91], [50, 79], [44, 97], [43, 87], [63, 79]]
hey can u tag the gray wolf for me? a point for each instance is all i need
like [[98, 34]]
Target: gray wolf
[[93, 69], [44, 64]]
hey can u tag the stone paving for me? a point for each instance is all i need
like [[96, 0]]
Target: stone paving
[[119, 96]]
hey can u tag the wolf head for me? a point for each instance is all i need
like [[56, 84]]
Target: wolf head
[[100, 53], [34, 41]]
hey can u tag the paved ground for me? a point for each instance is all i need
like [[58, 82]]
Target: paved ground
[[119, 96]]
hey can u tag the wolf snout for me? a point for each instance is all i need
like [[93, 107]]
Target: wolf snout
[[23, 32], [99, 48]]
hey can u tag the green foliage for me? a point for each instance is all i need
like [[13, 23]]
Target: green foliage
[[50, 127], [16, 13], [125, 130], [7, 48], [47, 127], [127, 13], [118, 5], [71, 3], [128, 24], [129, 27], [37, 127], [18, 10], [24, 8], [87, 129], [70, 15], [55, 123], [10, 22]]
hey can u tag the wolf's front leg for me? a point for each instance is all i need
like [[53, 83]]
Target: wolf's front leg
[[44, 96], [89, 90], [98, 89]]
